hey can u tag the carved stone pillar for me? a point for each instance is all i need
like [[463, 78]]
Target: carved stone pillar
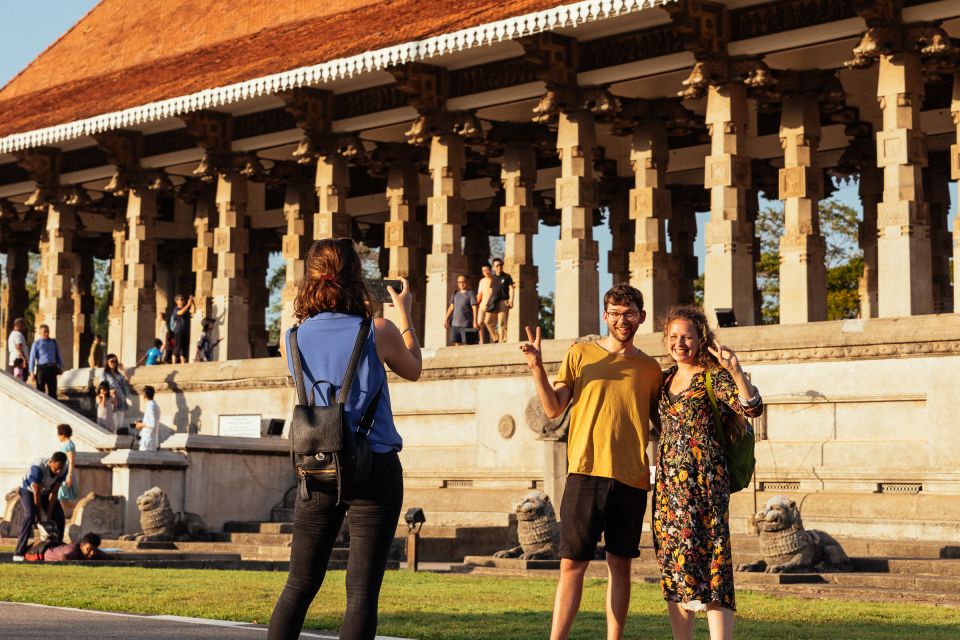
[[259, 297], [204, 266], [332, 183], [518, 224], [139, 295], [870, 190], [298, 210], [15, 298], [58, 265], [83, 304], [578, 281], [682, 230], [955, 174], [649, 209], [729, 281], [231, 241], [803, 273], [937, 188], [447, 214], [403, 237], [905, 285], [621, 235], [118, 277], [476, 245]]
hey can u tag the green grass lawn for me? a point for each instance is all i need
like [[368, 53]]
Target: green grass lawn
[[454, 607]]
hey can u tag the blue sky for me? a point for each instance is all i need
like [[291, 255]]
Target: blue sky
[[27, 28]]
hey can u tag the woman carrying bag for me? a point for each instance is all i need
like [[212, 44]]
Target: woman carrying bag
[[333, 310]]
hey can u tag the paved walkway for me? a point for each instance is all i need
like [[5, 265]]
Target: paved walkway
[[39, 622]]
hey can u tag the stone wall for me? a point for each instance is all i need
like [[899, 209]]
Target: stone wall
[[859, 413]]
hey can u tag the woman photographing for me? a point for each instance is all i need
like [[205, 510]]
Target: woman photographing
[[331, 305], [691, 530]]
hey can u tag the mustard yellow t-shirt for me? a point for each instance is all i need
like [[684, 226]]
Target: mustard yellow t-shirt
[[610, 412]]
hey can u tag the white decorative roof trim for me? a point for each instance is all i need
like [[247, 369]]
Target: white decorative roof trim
[[569, 15]]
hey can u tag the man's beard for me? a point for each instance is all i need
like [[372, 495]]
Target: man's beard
[[616, 333]]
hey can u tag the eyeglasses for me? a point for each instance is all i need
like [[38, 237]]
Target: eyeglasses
[[629, 316]]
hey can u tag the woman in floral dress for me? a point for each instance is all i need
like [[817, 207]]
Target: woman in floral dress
[[691, 529]]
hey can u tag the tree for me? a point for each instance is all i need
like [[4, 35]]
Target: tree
[[546, 316], [839, 225], [101, 297]]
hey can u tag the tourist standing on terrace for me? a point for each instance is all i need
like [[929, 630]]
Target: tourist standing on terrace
[[331, 305], [499, 305], [691, 528], [45, 362], [17, 345], [612, 389], [484, 293], [113, 377]]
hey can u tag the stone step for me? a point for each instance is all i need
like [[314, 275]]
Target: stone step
[[276, 539], [258, 527], [909, 566]]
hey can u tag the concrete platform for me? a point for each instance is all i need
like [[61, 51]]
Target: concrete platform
[[38, 622]]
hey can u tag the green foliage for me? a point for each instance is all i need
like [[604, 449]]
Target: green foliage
[[101, 297], [546, 315], [275, 282], [698, 290], [458, 607], [839, 225]]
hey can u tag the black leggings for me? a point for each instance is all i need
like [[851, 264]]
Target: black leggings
[[372, 518]]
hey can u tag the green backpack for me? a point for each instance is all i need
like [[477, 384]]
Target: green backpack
[[739, 453]]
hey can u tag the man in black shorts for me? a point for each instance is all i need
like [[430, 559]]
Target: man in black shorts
[[612, 389]]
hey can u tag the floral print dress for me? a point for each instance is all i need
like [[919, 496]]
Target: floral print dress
[[691, 530]]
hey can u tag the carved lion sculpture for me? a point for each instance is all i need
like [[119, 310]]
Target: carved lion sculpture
[[788, 548], [160, 523], [537, 529]]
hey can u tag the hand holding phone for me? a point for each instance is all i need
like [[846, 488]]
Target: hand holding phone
[[379, 289]]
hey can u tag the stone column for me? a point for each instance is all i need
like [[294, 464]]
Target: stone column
[[139, 322], [682, 230], [446, 210], [58, 264], [621, 235], [299, 207], [955, 174], [518, 224], [231, 241], [403, 238], [578, 281], [257, 267], [118, 276], [204, 266], [332, 184], [729, 281], [649, 209], [937, 188], [83, 309], [870, 190], [15, 298], [803, 272], [905, 284]]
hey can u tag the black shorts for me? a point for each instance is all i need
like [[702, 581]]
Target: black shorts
[[592, 505]]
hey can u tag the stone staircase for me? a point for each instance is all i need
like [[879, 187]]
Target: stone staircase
[[885, 571]]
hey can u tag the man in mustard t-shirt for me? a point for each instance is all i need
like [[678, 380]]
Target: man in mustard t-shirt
[[612, 389]]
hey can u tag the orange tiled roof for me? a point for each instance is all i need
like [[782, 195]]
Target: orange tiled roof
[[126, 53]]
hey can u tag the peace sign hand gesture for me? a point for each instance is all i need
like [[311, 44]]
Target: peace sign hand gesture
[[531, 349], [726, 357]]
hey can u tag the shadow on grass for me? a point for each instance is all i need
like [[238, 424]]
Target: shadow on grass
[[527, 625]]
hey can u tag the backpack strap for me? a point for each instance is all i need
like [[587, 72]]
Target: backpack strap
[[297, 367], [354, 360], [714, 409]]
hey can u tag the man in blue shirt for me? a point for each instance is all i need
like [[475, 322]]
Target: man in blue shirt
[[45, 362], [38, 497]]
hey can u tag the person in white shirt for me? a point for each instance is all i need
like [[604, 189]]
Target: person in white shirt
[[17, 344], [149, 427]]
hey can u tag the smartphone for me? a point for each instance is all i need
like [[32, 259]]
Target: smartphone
[[378, 289]]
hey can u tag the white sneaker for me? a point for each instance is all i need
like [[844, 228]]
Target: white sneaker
[[18, 558]]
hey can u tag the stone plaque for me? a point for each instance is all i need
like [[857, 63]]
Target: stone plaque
[[102, 515], [239, 426], [507, 426]]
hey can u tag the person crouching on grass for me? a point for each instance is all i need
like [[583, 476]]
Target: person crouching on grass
[[612, 389]]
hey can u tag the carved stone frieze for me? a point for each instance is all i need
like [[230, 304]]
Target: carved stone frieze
[[43, 166]]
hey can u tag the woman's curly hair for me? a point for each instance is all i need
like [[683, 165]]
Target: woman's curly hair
[[696, 317], [332, 281]]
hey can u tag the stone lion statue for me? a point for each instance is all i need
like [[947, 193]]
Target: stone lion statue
[[537, 529], [789, 548], [159, 523]]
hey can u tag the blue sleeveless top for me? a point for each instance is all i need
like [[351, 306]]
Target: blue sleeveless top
[[326, 342]]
